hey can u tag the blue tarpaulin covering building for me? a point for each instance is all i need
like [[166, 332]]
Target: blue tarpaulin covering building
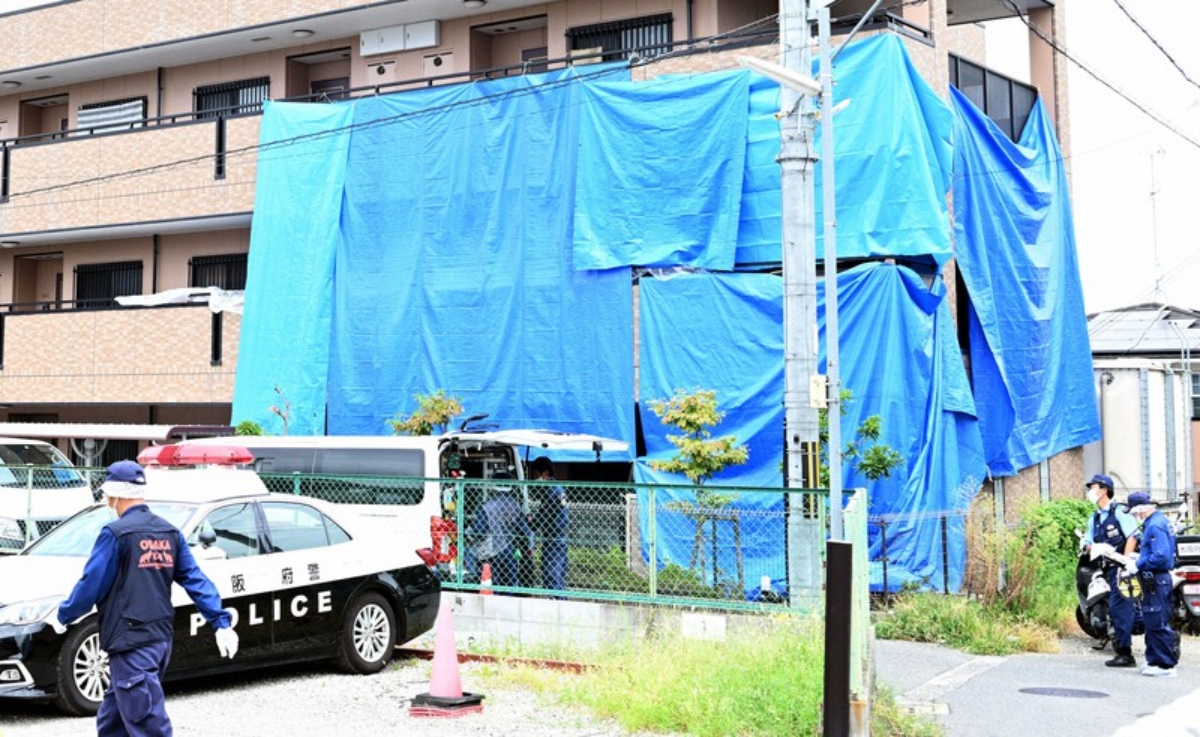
[[484, 239]]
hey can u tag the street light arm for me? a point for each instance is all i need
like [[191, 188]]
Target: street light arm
[[784, 76]]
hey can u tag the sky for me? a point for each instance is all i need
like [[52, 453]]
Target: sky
[[1135, 184]]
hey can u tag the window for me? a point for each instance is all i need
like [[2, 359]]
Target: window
[[101, 117], [232, 98], [1005, 101], [649, 36], [234, 528], [300, 527], [1195, 396], [97, 285], [226, 272]]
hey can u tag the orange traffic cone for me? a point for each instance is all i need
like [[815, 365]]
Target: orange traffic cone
[[445, 697], [485, 580]]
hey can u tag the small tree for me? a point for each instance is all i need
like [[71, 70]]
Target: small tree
[[871, 458], [434, 413], [699, 457], [248, 427]]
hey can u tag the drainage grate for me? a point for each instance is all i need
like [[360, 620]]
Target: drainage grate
[[1070, 693]]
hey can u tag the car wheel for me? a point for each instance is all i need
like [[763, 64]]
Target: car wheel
[[82, 671], [368, 635]]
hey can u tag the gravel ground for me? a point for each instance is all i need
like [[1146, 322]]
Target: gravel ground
[[316, 700]]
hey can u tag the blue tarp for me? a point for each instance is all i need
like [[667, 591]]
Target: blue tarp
[[899, 359], [684, 140], [893, 156], [721, 332], [449, 275], [760, 225], [1030, 356], [447, 215], [289, 284]]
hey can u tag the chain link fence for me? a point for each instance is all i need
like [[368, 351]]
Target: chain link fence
[[34, 499], [719, 547]]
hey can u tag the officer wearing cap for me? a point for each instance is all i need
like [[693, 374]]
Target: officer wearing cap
[[1154, 564], [1113, 525], [128, 579]]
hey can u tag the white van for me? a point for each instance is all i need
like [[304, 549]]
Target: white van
[[38, 489], [406, 507]]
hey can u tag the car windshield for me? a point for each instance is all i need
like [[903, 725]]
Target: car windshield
[[51, 469], [78, 534]]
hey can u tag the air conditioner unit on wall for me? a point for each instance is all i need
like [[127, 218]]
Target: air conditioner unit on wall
[[423, 35]]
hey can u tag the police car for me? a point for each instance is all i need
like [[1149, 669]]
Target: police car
[[302, 579]]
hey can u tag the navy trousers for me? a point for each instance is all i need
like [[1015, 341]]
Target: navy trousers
[[554, 564], [134, 704], [1120, 609], [1156, 608]]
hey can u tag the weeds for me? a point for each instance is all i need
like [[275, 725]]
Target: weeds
[[767, 681], [1036, 603]]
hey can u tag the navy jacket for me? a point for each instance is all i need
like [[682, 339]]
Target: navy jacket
[[128, 579]]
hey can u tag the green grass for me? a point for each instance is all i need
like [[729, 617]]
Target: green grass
[[763, 682], [965, 624]]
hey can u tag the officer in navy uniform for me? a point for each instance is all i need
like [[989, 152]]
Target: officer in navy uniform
[[1113, 525], [128, 579], [1154, 563], [551, 524]]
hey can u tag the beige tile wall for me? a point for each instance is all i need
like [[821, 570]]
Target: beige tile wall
[[103, 192], [156, 355]]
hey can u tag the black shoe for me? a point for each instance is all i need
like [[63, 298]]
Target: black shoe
[[1121, 661]]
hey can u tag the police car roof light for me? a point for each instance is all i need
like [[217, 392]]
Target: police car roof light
[[195, 455]]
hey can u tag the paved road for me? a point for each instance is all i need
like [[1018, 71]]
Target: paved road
[[1067, 693]]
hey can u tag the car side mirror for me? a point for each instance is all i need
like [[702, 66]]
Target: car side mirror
[[208, 538]]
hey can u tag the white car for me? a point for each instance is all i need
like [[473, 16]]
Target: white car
[[303, 580]]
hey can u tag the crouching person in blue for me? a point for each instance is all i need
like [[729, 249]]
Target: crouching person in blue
[[1155, 560], [128, 579]]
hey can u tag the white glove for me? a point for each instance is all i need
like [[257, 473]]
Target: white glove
[[227, 642], [1131, 568], [59, 627], [1101, 550]]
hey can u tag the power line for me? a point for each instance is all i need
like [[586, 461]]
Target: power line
[[1059, 49], [1154, 41]]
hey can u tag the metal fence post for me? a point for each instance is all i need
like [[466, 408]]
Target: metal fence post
[[653, 543], [296, 483], [29, 523], [460, 549], [887, 593], [945, 557]]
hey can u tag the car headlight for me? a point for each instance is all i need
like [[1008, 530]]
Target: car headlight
[[29, 612], [10, 529]]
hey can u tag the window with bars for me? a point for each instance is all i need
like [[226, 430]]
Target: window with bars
[[649, 35], [114, 115], [1005, 101], [227, 271], [232, 98], [98, 285]]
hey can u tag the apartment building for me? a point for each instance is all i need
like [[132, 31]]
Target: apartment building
[[127, 133]]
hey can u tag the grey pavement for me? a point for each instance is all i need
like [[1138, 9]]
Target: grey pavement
[[1065, 693]]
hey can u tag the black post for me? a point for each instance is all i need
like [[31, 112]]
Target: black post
[[945, 558], [887, 593], [839, 572]]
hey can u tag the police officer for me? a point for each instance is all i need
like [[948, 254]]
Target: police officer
[[550, 523], [503, 532], [1113, 525], [128, 579], [1154, 563]]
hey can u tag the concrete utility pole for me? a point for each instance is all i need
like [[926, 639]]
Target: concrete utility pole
[[798, 162]]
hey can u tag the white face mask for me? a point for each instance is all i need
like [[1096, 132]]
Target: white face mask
[[112, 511], [1093, 496]]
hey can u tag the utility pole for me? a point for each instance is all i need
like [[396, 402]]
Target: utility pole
[[798, 159]]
